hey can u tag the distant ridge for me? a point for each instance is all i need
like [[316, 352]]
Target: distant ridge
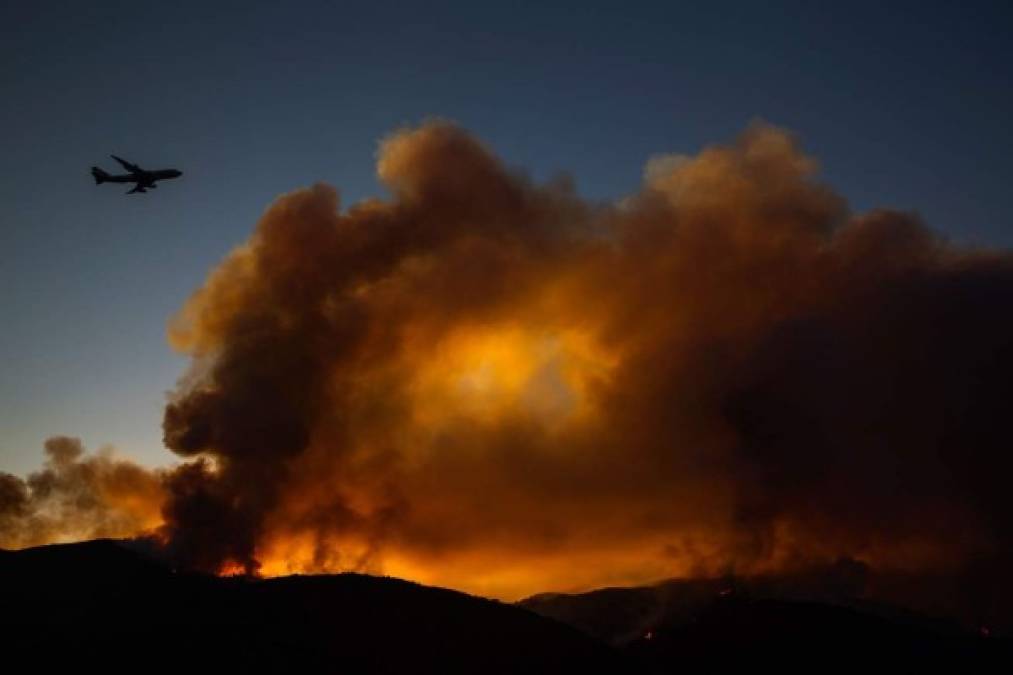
[[793, 623]]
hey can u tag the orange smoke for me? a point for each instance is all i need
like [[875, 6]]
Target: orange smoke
[[77, 497], [492, 384]]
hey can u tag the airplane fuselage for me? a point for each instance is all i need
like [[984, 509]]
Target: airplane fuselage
[[145, 178], [142, 178]]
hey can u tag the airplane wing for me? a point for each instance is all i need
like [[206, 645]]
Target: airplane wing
[[137, 188], [132, 168]]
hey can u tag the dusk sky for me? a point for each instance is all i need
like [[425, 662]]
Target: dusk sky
[[907, 106]]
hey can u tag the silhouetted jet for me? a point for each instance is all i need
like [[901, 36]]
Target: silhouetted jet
[[143, 179]]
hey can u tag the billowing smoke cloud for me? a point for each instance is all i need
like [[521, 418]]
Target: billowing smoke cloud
[[76, 497], [487, 382], [492, 384]]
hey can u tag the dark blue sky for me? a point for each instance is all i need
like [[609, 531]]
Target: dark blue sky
[[908, 106]]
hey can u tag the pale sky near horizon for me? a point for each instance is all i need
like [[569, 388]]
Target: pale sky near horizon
[[906, 106]]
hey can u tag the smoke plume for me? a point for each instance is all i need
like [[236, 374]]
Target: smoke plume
[[493, 384], [77, 497]]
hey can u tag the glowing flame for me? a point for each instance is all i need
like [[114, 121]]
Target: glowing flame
[[231, 569]]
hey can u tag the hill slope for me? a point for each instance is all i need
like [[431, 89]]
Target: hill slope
[[105, 605], [99, 603], [713, 624]]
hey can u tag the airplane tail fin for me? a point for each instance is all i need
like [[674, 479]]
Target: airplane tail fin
[[99, 175]]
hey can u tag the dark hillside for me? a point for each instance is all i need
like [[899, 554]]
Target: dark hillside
[[102, 604]]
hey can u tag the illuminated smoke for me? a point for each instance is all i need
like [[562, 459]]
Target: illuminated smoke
[[76, 497], [492, 384]]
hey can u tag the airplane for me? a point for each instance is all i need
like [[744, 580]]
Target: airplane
[[144, 179]]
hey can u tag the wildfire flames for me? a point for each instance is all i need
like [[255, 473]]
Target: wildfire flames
[[495, 385]]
